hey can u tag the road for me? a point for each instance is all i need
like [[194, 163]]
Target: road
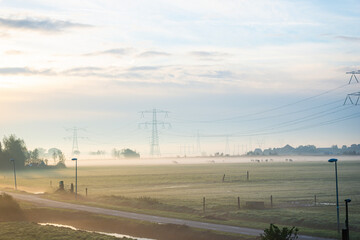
[[144, 217]]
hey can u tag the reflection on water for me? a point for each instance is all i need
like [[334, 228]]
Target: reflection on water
[[104, 233]]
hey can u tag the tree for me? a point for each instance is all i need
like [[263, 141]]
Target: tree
[[14, 148], [274, 233], [128, 153], [54, 153]]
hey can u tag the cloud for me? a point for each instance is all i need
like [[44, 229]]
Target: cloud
[[115, 52], [13, 52], [218, 74], [207, 54], [37, 24], [349, 38], [143, 68], [154, 54], [24, 71]]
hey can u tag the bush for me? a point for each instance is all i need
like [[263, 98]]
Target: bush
[[9, 209], [274, 233]]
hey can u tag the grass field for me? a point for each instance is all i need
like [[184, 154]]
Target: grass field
[[178, 190]]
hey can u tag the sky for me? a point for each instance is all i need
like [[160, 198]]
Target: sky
[[225, 76]]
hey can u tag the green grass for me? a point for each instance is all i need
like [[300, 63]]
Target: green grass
[[33, 231], [178, 190]]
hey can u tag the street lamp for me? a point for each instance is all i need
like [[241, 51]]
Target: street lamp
[[347, 219], [334, 160], [13, 161], [75, 159]]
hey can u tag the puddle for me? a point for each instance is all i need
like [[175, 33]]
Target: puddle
[[104, 233]]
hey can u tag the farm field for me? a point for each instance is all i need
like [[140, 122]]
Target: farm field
[[178, 190]]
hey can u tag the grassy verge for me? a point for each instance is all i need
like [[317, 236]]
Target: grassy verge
[[33, 231], [94, 222]]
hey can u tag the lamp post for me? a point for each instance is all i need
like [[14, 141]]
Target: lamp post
[[334, 160], [347, 218], [75, 159], [13, 161]]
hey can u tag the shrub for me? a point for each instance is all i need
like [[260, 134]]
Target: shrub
[[9, 209], [274, 233]]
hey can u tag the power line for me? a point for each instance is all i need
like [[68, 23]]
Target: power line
[[265, 111]]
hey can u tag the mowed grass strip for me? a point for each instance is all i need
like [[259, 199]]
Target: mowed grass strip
[[33, 231]]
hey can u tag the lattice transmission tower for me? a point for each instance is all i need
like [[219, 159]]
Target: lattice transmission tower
[[353, 98], [75, 146], [154, 143]]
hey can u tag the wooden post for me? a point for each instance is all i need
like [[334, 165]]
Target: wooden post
[[223, 178], [239, 203], [50, 183], [247, 175], [315, 199], [271, 201], [86, 191], [204, 204]]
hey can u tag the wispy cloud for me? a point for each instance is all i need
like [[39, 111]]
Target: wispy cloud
[[218, 74], [118, 52], [14, 52], [349, 38], [153, 54], [143, 68], [39, 24], [207, 54], [24, 71]]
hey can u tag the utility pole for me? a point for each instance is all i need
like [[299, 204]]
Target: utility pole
[[154, 144], [227, 147], [198, 146]]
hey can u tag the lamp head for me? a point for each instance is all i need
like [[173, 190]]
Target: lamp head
[[74, 159], [11, 160], [332, 160], [348, 200]]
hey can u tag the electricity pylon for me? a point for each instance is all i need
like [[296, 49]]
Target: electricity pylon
[[154, 144], [353, 75], [355, 95], [75, 146]]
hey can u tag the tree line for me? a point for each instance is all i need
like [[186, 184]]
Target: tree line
[[15, 148]]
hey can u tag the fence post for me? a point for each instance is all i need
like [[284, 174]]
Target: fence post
[[239, 203], [86, 191], [271, 201], [315, 199], [204, 204], [247, 175]]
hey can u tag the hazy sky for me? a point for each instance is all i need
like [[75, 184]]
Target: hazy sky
[[242, 74]]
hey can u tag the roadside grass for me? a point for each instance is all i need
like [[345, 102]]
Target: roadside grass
[[136, 228], [33, 231], [178, 190]]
